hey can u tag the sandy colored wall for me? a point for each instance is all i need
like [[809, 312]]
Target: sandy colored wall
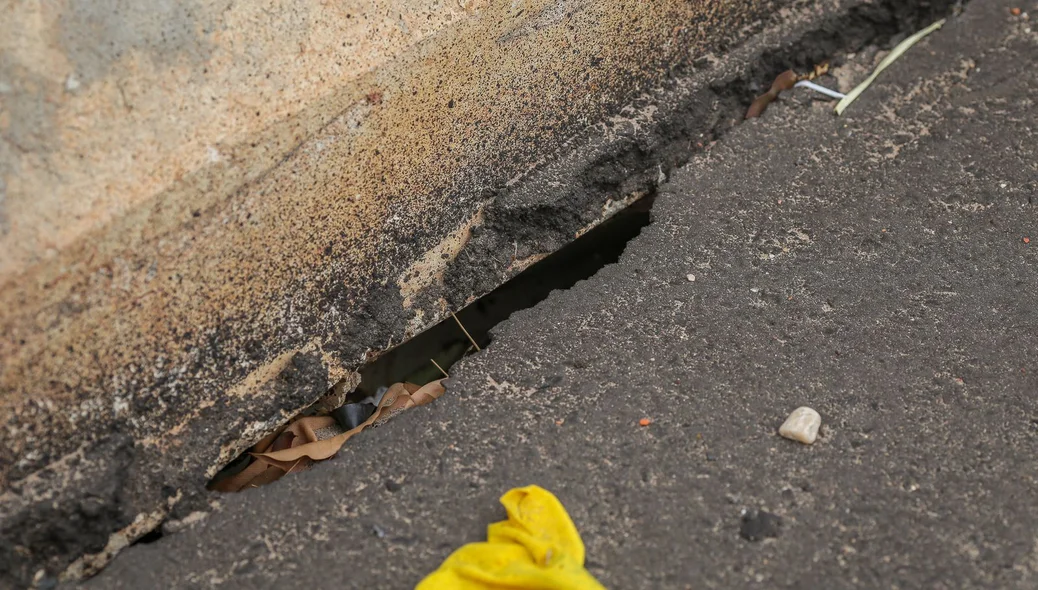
[[212, 211], [108, 103]]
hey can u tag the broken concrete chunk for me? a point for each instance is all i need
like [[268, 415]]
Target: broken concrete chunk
[[802, 425]]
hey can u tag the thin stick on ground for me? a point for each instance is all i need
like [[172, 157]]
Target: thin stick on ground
[[471, 339], [440, 368], [895, 53]]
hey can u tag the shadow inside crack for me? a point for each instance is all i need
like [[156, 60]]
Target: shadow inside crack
[[446, 342], [392, 382]]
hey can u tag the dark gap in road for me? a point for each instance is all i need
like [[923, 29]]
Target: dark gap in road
[[446, 343], [150, 537]]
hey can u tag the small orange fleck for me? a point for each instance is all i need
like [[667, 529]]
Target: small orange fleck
[[1014, 11], [560, 421], [1027, 240], [644, 422]]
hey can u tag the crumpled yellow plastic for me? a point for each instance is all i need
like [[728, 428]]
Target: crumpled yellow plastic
[[537, 548]]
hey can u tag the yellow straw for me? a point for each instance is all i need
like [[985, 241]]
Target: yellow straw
[[889, 59]]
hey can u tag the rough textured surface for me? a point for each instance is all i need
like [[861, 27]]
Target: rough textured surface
[[211, 211], [191, 302], [874, 264], [108, 103]]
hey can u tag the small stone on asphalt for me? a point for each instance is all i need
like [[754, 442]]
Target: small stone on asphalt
[[758, 525], [691, 277], [802, 425]]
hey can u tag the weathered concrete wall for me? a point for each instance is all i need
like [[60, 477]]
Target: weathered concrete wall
[[212, 211]]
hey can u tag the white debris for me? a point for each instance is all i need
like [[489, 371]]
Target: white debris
[[691, 277], [820, 89], [802, 425]]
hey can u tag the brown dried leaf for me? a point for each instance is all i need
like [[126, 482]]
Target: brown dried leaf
[[295, 446], [783, 81]]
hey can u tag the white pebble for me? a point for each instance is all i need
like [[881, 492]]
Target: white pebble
[[691, 278], [802, 425]]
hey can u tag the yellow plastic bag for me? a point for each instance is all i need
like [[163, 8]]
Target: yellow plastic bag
[[537, 548]]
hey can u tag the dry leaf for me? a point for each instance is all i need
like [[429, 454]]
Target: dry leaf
[[783, 81], [819, 70], [296, 446]]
